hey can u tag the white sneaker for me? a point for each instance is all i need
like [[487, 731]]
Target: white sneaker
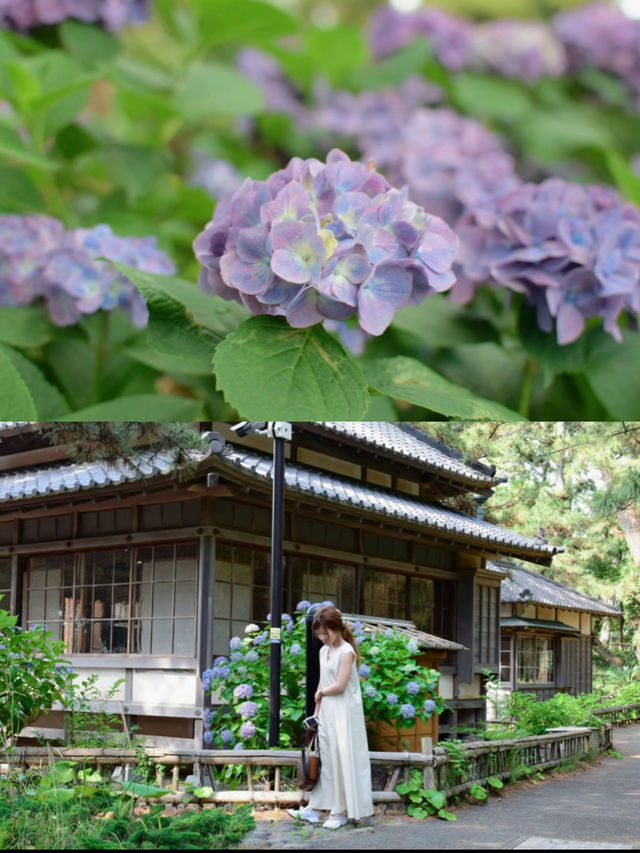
[[308, 814], [335, 821]]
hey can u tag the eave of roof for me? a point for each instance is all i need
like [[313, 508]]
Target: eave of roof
[[549, 592], [426, 641], [407, 442], [548, 625], [334, 489]]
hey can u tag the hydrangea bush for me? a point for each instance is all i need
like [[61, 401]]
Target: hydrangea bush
[[40, 260], [119, 143], [395, 689]]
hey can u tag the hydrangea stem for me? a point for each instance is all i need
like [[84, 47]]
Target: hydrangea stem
[[527, 387]]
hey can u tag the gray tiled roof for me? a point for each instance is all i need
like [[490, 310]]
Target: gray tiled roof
[[392, 504], [373, 625], [543, 590], [73, 477], [407, 441]]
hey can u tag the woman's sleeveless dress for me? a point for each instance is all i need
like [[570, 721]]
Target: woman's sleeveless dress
[[345, 776]]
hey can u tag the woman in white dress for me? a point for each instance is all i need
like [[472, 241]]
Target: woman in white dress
[[344, 787]]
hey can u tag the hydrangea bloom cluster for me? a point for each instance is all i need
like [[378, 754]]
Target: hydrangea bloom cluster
[[41, 260], [450, 163], [527, 50], [600, 35], [112, 14], [450, 35], [375, 117], [573, 250], [320, 241]]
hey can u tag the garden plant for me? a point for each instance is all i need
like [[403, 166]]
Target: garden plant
[[395, 689], [213, 209]]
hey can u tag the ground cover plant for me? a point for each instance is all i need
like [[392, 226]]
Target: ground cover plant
[[214, 209]]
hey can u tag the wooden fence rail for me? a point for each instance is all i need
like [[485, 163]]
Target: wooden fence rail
[[502, 759], [619, 715]]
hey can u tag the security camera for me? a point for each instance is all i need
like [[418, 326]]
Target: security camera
[[245, 427]]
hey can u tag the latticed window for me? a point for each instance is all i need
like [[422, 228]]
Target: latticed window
[[485, 624], [534, 660], [505, 658], [121, 601], [241, 593]]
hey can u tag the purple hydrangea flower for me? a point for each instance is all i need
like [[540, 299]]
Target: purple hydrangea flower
[[449, 35], [450, 163], [412, 688], [303, 605], [260, 638], [112, 14], [40, 260], [389, 633], [235, 643], [429, 706], [243, 691], [295, 649], [364, 671], [325, 241], [226, 736], [247, 729], [208, 736], [207, 675], [207, 717], [407, 710], [600, 35], [248, 710], [236, 657], [392, 698], [413, 645], [526, 49], [574, 251], [369, 691], [251, 656]]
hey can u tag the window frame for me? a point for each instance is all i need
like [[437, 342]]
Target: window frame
[[548, 638]]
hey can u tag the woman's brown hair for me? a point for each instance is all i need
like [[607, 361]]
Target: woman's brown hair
[[331, 618]]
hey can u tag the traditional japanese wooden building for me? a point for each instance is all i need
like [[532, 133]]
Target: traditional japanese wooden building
[[546, 634], [146, 577]]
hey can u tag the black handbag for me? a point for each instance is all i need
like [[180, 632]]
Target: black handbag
[[309, 761]]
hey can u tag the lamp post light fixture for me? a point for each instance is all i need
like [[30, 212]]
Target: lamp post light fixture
[[280, 432]]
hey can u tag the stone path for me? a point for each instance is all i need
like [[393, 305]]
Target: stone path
[[594, 808]]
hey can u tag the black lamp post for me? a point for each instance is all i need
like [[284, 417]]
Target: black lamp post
[[279, 431], [313, 661]]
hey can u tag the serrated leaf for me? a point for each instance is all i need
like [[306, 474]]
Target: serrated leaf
[[141, 407], [212, 89], [16, 401], [50, 404], [408, 379], [185, 325], [267, 369]]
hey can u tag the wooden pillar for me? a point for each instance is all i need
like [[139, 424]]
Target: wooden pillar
[[465, 618], [206, 579]]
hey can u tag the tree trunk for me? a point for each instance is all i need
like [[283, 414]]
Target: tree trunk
[[606, 654]]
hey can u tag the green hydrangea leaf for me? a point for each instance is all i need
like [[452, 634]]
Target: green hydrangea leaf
[[408, 379], [266, 369], [16, 401]]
